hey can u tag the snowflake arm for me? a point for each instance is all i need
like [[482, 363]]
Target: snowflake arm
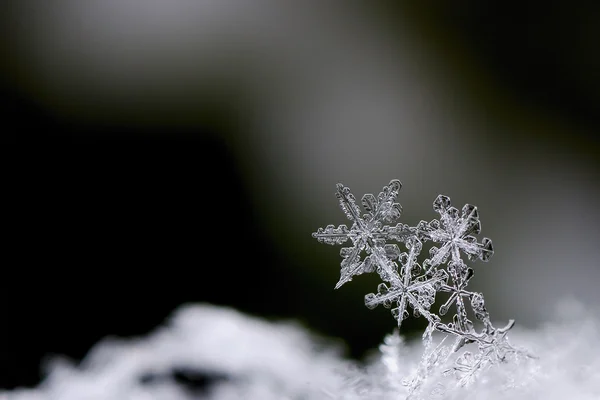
[[332, 235]]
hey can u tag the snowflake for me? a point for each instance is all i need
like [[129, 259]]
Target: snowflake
[[454, 231], [460, 279], [493, 348], [367, 233], [407, 287]]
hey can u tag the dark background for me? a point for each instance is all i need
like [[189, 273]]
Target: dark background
[[119, 212]]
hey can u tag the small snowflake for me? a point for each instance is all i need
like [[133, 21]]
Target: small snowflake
[[455, 231], [407, 287], [460, 275]]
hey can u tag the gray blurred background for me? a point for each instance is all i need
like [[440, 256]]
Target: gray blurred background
[[223, 127]]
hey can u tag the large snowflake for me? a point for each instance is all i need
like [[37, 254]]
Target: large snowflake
[[367, 233]]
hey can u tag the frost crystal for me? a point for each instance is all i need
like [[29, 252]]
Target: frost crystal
[[409, 285]]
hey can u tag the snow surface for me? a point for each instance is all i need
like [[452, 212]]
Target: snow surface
[[264, 360]]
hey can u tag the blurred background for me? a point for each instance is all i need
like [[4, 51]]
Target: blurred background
[[166, 152]]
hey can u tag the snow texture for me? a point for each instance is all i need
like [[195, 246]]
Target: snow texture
[[262, 360], [242, 358]]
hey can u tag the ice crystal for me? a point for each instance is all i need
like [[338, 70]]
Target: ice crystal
[[410, 285], [367, 233]]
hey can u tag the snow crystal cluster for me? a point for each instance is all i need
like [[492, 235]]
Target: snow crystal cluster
[[410, 285]]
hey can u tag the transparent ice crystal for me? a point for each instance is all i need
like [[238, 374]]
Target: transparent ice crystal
[[368, 233], [408, 285]]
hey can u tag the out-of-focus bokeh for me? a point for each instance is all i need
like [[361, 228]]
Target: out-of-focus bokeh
[[164, 152]]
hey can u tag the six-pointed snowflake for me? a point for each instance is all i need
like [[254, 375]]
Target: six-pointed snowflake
[[367, 233]]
